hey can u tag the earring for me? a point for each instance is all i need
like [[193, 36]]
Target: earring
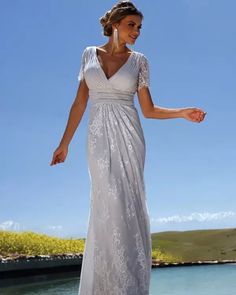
[[115, 37]]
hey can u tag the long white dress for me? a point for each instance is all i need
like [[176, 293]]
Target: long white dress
[[117, 255]]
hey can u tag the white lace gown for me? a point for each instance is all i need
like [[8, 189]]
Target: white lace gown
[[117, 255]]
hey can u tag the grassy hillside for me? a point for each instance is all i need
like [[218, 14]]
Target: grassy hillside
[[216, 244]]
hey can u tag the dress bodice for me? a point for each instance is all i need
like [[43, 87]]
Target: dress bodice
[[122, 85]]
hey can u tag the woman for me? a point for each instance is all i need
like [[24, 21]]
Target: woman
[[117, 255]]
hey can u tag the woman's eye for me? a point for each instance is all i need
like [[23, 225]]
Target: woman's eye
[[133, 25]]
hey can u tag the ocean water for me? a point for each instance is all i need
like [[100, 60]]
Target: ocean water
[[183, 280]]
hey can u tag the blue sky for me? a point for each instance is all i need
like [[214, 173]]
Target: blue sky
[[190, 168]]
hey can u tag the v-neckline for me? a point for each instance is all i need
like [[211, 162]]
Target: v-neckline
[[100, 67]]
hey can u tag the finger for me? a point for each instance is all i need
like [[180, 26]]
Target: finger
[[201, 115], [59, 160], [56, 155], [199, 112], [53, 161], [56, 160], [195, 116]]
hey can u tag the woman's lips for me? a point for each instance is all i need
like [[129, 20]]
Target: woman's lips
[[134, 38]]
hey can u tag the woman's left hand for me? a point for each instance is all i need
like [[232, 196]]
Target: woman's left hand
[[193, 114]]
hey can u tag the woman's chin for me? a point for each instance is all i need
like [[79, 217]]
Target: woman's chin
[[131, 41]]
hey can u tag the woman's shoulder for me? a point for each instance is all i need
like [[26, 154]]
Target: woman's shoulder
[[140, 54], [86, 50], [140, 57], [89, 47]]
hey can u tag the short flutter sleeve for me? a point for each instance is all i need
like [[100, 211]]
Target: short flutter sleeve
[[82, 66], [144, 75]]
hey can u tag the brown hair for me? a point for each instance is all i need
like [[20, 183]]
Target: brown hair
[[116, 14]]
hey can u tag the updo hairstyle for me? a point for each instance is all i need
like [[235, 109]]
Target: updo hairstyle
[[116, 14]]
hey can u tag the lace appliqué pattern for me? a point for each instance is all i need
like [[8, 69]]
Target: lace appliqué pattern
[[114, 188], [103, 164], [120, 261], [95, 129], [142, 261], [144, 74]]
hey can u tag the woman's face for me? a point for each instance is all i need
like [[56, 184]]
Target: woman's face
[[129, 28]]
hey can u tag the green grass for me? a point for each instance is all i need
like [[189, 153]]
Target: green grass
[[216, 244], [172, 246]]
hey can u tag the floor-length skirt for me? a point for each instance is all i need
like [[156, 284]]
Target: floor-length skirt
[[117, 254]]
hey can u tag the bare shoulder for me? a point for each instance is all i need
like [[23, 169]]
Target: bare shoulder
[[101, 48]]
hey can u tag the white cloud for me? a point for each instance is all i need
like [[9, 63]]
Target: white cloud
[[195, 216], [9, 225]]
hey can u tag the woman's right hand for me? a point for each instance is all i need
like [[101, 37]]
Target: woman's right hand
[[59, 155]]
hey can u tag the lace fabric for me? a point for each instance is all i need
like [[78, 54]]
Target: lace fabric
[[144, 75], [117, 255]]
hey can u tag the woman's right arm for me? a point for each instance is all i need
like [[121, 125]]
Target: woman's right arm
[[76, 113]]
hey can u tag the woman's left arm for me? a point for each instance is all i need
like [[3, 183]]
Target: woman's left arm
[[152, 111]]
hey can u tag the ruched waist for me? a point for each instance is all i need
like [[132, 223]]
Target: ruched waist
[[111, 98], [111, 101]]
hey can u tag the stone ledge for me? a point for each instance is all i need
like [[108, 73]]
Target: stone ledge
[[27, 262], [156, 263]]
